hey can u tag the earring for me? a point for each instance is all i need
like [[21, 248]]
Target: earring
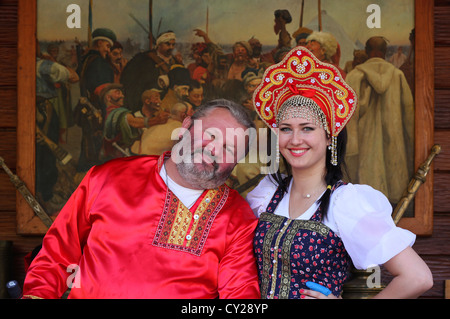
[[334, 160]]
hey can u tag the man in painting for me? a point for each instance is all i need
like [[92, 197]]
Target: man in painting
[[179, 81], [322, 44], [236, 62], [94, 69], [151, 109], [159, 138], [117, 60], [380, 149], [144, 69], [282, 17], [122, 127], [50, 75], [157, 226], [325, 47]]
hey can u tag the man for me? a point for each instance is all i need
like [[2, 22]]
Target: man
[[380, 149], [322, 44], [195, 95], [157, 227], [234, 63], [50, 75], [325, 47], [122, 127], [94, 69], [117, 60], [159, 138], [242, 52], [179, 81], [151, 102], [143, 70]]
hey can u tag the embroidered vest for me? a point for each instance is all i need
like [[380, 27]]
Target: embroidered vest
[[291, 252]]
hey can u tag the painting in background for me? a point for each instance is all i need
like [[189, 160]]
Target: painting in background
[[221, 49]]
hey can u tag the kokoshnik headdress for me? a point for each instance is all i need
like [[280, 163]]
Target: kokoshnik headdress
[[302, 86]]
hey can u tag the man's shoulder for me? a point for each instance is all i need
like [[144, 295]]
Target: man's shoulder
[[237, 206], [115, 167]]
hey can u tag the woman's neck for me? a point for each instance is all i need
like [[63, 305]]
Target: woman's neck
[[307, 181]]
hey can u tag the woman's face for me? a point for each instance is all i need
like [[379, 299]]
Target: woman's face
[[302, 143]]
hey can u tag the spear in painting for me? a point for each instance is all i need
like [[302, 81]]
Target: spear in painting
[[90, 24], [301, 14], [207, 19], [150, 22], [320, 15]]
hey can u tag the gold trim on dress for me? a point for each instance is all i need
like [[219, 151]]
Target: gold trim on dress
[[277, 232]]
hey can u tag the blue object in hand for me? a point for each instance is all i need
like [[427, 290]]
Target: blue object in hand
[[316, 287]]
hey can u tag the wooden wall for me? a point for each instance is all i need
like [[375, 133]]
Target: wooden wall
[[433, 249]]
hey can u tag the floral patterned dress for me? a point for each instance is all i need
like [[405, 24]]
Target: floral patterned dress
[[291, 252]]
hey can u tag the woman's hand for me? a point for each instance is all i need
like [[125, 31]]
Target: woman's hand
[[311, 294]]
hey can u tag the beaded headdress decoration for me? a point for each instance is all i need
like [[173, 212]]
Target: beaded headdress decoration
[[302, 86]]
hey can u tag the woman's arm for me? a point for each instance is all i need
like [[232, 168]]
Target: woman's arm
[[412, 277]]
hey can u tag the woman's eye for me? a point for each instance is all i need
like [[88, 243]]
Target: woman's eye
[[285, 129]]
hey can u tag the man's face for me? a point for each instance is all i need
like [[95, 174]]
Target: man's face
[[154, 100], [196, 96], [104, 47], [240, 53], [115, 97], [116, 55], [181, 91], [316, 49], [211, 148], [166, 48]]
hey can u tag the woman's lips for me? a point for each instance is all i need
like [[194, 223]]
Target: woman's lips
[[297, 152]]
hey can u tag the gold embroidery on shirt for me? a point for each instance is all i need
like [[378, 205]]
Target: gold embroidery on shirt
[[181, 229]]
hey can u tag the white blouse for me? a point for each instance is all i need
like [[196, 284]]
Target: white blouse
[[358, 214]]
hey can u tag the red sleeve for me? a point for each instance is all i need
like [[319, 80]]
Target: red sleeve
[[238, 277], [62, 247]]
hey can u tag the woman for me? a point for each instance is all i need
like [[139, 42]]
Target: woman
[[313, 226]]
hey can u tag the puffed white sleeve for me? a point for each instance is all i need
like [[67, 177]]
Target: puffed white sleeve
[[260, 196], [363, 219]]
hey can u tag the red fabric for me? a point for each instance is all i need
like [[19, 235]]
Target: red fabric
[[111, 229]]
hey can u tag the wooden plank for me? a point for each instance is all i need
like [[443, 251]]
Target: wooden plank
[[442, 192], [8, 107], [442, 67], [442, 109], [26, 75], [422, 223], [442, 161], [437, 244], [441, 24], [8, 22], [7, 194], [8, 69]]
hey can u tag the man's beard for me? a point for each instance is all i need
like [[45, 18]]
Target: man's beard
[[202, 175]]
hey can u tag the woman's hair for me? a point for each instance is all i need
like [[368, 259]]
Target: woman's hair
[[333, 174]]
